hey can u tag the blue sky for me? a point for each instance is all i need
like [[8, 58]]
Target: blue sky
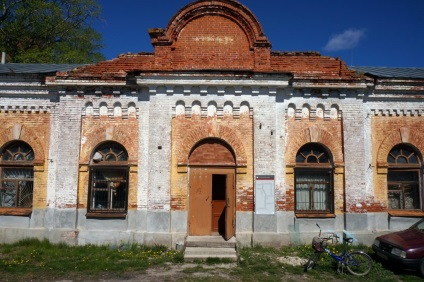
[[385, 33]]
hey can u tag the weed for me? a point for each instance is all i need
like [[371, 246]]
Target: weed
[[43, 261]]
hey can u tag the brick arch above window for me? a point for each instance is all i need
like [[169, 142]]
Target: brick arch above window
[[226, 134], [108, 133], [315, 134], [401, 135], [26, 134]]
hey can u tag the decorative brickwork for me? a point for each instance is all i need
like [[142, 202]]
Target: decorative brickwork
[[214, 35], [212, 152], [190, 132], [212, 100], [29, 133], [216, 130], [96, 130], [392, 131], [410, 135], [202, 43], [34, 129], [326, 132]]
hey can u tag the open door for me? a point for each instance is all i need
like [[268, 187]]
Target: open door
[[230, 209], [219, 199], [200, 218]]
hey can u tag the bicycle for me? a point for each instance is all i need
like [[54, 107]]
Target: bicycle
[[357, 262]]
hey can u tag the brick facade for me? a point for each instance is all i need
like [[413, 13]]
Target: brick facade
[[235, 132], [32, 127], [394, 130], [313, 127], [212, 95]]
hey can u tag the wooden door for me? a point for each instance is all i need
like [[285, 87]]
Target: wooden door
[[230, 209], [219, 182], [218, 216], [200, 202]]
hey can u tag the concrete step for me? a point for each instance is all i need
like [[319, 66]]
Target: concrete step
[[210, 242], [201, 253], [204, 247]]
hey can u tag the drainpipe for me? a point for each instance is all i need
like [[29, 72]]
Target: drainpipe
[[3, 58]]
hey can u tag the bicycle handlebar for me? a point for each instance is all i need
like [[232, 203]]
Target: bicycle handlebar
[[331, 236]]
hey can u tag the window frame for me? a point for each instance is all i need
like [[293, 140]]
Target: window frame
[[394, 166], [97, 166], [24, 164], [309, 169]]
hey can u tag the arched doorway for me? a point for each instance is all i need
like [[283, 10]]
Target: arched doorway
[[212, 189]]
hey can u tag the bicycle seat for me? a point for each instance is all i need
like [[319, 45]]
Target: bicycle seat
[[348, 240]]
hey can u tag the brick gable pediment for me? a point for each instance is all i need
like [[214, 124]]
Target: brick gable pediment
[[212, 35], [220, 35]]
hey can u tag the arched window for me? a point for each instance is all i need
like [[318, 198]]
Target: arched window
[[404, 179], [313, 180], [17, 176], [108, 185]]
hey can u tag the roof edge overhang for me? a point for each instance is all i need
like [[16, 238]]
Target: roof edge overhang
[[331, 84], [236, 79], [81, 82]]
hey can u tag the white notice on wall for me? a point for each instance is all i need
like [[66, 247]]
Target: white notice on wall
[[264, 194]]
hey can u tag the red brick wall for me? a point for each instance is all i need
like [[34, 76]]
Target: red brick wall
[[328, 133], [237, 132], [216, 35], [212, 42], [98, 130], [389, 131], [34, 129], [209, 153]]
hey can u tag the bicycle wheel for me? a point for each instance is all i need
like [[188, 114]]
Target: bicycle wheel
[[312, 261], [359, 263]]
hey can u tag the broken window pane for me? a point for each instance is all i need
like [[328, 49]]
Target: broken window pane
[[109, 179]]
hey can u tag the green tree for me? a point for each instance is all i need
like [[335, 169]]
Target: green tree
[[50, 31]]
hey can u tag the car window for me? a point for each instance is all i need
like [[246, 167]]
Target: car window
[[420, 226]]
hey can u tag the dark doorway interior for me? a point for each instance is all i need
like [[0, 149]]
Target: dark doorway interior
[[218, 203]]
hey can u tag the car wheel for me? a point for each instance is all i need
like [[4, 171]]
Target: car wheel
[[421, 267]]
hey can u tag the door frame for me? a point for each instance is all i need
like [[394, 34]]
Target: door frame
[[205, 200]]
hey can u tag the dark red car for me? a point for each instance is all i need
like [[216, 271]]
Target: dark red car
[[404, 248]]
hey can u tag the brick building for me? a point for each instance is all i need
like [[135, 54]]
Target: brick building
[[212, 133]]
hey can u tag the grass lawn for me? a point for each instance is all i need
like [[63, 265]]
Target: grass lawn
[[41, 261]]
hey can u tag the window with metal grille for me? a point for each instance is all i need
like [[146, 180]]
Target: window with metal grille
[[313, 180], [17, 176], [108, 179], [404, 179]]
